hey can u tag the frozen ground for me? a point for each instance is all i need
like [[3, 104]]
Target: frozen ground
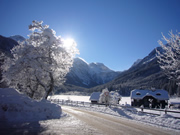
[[71, 97], [66, 125], [124, 100], [21, 115], [161, 120], [114, 125], [15, 106]]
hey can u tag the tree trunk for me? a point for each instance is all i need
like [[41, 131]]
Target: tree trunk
[[178, 91], [31, 95], [51, 85]]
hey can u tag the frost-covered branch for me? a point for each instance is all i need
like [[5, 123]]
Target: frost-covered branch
[[39, 63], [169, 57]]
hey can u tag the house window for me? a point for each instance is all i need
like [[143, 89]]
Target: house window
[[158, 94], [137, 93]]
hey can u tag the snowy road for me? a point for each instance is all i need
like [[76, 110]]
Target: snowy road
[[112, 125], [66, 125], [82, 122]]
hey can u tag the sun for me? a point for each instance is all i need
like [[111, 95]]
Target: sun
[[68, 43]]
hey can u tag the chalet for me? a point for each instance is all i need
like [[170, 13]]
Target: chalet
[[94, 98], [149, 98]]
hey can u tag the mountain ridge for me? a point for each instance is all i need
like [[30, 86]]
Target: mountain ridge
[[89, 74], [81, 74], [144, 75], [6, 44], [18, 38], [90, 77]]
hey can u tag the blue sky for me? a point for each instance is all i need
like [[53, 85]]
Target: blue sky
[[113, 32]]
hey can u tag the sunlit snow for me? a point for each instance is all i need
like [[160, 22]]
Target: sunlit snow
[[161, 120]]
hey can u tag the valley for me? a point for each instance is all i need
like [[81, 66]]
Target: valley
[[86, 78]]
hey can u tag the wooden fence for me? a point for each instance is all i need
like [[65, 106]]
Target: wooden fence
[[137, 109]]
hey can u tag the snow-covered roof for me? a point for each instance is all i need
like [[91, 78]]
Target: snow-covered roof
[[158, 94], [95, 96]]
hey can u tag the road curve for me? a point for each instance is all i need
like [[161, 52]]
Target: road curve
[[112, 125]]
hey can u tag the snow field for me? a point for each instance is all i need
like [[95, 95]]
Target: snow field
[[163, 120], [16, 107], [71, 97]]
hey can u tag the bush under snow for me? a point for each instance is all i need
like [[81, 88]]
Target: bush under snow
[[15, 106]]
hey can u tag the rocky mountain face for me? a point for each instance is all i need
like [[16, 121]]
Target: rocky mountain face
[[89, 75]]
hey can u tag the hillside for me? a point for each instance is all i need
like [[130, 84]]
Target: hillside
[[82, 74], [6, 44], [89, 75], [146, 74]]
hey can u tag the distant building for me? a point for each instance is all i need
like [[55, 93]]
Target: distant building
[[94, 98], [149, 98]]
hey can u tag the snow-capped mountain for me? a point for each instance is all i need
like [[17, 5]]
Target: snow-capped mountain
[[148, 59], [89, 74], [18, 38], [81, 74], [144, 74], [136, 62], [6, 44]]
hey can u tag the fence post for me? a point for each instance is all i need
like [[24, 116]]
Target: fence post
[[165, 111]]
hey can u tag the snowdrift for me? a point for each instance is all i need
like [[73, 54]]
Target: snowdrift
[[15, 106]]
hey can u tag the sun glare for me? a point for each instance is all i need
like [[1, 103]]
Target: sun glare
[[68, 43]]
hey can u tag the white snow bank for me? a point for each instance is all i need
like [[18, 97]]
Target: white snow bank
[[15, 106], [161, 120], [164, 120], [174, 99], [71, 97]]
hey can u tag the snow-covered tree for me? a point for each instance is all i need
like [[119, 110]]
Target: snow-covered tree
[[104, 96], [107, 97], [39, 63], [115, 97], [169, 57]]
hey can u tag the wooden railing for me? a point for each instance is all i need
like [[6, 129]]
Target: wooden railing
[[137, 109]]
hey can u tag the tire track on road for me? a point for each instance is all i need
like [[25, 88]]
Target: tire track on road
[[112, 125]]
